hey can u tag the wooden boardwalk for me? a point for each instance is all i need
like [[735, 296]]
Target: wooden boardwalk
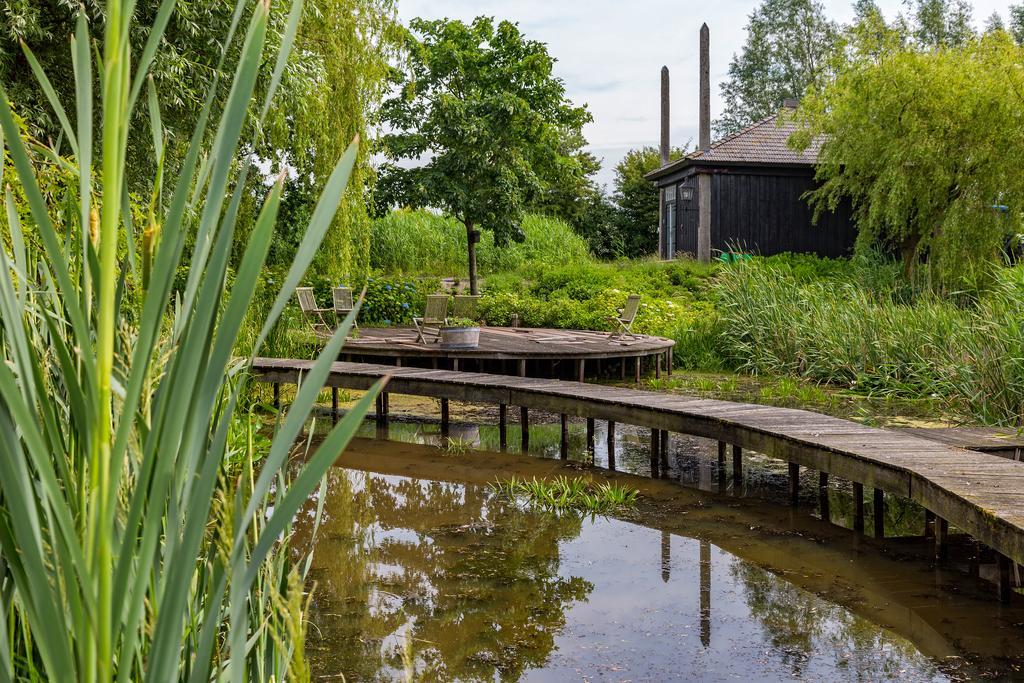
[[516, 344], [974, 492]]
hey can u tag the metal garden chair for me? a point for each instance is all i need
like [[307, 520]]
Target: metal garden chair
[[343, 303], [435, 314], [312, 313], [626, 316], [464, 306]]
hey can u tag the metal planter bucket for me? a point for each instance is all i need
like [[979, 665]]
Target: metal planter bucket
[[460, 337]]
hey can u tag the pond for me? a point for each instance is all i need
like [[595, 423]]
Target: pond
[[421, 571]]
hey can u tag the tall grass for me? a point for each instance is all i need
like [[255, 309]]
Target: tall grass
[[874, 340], [137, 537], [424, 243]]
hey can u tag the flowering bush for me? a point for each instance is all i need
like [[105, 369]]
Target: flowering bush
[[395, 300]]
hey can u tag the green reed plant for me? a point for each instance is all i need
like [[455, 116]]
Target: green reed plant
[[136, 541], [565, 493]]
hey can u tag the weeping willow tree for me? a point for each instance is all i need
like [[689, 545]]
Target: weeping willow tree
[[326, 96], [140, 539]]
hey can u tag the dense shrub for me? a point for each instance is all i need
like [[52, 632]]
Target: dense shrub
[[841, 332], [424, 243]]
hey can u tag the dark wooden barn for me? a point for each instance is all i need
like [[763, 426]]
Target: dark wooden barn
[[756, 186]]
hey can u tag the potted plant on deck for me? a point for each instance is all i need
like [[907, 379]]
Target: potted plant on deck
[[460, 333]]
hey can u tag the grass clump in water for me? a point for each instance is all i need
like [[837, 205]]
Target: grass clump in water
[[564, 493]]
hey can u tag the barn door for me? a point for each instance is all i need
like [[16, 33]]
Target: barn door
[[688, 216]]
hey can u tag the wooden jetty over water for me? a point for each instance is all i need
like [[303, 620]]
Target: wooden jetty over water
[[975, 492], [530, 351]]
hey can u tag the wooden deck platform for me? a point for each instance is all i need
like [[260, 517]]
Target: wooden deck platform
[[1008, 443], [517, 344], [978, 494]]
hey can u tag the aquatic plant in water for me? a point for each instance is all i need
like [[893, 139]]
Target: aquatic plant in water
[[564, 493], [137, 541]]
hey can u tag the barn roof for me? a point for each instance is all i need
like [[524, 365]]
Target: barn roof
[[761, 144]]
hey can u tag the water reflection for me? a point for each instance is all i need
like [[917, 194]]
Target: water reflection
[[423, 574], [440, 580]]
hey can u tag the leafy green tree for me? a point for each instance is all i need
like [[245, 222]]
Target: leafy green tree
[[480, 113], [1017, 23], [335, 75], [787, 49], [926, 144], [637, 201], [942, 23]]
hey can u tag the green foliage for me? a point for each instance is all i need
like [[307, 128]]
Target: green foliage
[[479, 106], [787, 49], [395, 300], [844, 332], [636, 199], [565, 494], [424, 243], [924, 144], [138, 540]]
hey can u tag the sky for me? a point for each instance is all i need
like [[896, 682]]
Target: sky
[[610, 54]]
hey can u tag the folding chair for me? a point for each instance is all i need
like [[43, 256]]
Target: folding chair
[[464, 306], [343, 303], [313, 315], [625, 317], [435, 314]]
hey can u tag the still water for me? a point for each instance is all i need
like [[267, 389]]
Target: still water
[[422, 572]]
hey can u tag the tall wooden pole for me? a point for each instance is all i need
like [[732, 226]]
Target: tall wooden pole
[[703, 179], [663, 241]]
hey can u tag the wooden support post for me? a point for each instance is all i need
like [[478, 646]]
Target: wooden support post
[[502, 427], [737, 466], [622, 369], [277, 396], [1005, 589], [794, 484], [941, 539], [380, 409], [581, 369], [590, 437], [655, 450], [563, 449], [657, 366], [858, 507], [524, 426], [444, 417], [929, 523], [721, 458], [636, 369], [334, 404], [455, 364], [878, 512], [611, 445], [387, 404], [663, 442], [433, 363], [668, 361], [522, 367], [823, 502]]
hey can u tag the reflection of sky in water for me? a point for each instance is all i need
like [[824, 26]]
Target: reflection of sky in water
[[478, 589]]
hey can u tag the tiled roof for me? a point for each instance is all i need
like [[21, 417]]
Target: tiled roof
[[763, 142]]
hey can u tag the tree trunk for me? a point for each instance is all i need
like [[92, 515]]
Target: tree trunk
[[471, 239], [908, 252]]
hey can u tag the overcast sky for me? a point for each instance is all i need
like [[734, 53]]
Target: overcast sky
[[610, 53]]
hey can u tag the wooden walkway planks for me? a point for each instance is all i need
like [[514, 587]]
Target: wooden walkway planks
[[973, 491]]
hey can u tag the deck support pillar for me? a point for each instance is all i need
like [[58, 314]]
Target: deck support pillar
[[794, 484], [611, 445], [524, 425], [663, 440], [929, 523], [522, 367], [622, 369], [334, 404], [823, 503], [581, 369], [737, 466], [1005, 588], [502, 427], [657, 366], [941, 539], [858, 507], [563, 448], [277, 396], [590, 437], [636, 369], [444, 417], [668, 361], [655, 451], [721, 458], [878, 512], [455, 364]]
